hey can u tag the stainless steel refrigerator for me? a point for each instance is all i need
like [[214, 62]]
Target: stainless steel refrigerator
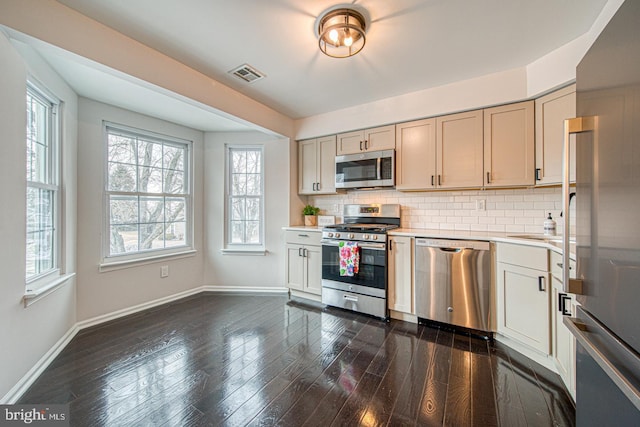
[[607, 325]]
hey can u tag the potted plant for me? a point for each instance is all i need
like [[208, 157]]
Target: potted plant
[[310, 215]]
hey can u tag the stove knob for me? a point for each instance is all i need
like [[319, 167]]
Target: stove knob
[[375, 237], [337, 235], [365, 237], [330, 234], [351, 236]]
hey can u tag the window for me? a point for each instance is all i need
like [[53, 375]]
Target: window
[[42, 185], [245, 196], [148, 194]]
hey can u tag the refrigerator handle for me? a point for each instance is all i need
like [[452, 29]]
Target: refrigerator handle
[[613, 356], [571, 126]]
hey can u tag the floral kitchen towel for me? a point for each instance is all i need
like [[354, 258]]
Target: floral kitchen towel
[[349, 258]]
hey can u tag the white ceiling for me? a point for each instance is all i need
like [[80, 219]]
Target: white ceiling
[[411, 44]]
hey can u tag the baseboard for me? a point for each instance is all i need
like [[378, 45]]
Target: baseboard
[[245, 289], [136, 308], [30, 377], [533, 354]]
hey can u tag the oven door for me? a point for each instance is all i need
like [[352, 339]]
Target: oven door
[[371, 278]]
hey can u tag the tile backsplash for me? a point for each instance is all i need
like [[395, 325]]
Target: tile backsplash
[[511, 211]]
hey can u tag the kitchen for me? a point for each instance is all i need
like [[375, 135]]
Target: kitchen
[[490, 90]]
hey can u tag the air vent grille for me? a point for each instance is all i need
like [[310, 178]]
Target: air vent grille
[[247, 73]]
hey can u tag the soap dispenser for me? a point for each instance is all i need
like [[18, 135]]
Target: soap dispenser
[[549, 226]]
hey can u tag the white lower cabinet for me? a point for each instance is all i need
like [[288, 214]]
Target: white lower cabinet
[[400, 294], [304, 262], [523, 296], [564, 343]]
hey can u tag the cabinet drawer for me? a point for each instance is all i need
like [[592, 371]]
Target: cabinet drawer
[[303, 237], [555, 259], [527, 256]]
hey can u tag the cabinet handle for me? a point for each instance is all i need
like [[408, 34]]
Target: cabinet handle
[[317, 186], [360, 145], [540, 283], [366, 144], [314, 186], [559, 264], [563, 305], [299, 251], [433, 180], [304, 252], [303, 235], [488, 177], [537, 174], [390, 245], [439, 180]]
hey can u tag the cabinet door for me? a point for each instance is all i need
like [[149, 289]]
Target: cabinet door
[[295, 268], [401, 274], [563, 341], [326, 167], [551, 111], [523, 305], [350, 143], [307, 166], [509, 145], [313, 273], [416, 155], [381, 138], [459, 150]]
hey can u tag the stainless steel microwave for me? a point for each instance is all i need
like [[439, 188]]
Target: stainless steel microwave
[[370, 169]]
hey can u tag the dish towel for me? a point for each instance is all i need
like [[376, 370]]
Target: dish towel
[[349, 258]]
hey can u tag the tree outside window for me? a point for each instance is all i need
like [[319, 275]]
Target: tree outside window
[[245, 195], [147, 191]]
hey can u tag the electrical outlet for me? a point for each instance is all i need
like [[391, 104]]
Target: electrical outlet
[[164, 271], [481, 205]]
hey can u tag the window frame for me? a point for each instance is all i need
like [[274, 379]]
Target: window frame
[[114, 260], [230, 247], [53, 177]]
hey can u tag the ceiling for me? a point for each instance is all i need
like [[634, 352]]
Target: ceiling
[[411, 44]]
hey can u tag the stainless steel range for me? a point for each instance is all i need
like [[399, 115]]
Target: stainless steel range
[[365, 229]]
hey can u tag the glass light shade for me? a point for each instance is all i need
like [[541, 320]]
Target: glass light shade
[[342, 33]]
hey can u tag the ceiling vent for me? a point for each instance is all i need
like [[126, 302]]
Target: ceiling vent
[[247, 73]]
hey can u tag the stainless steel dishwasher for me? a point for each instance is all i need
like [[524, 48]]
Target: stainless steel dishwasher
[[453, 282]]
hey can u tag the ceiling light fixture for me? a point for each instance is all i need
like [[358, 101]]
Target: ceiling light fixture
[[341, 32]]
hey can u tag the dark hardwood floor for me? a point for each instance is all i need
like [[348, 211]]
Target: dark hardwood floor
[[256, 360]]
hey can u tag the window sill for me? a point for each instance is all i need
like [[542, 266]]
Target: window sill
[[33, 295], [119, 265], [244, 252]]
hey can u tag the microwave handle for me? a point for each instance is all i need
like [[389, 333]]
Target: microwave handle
[[379, 168]]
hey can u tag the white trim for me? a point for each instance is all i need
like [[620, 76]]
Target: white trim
[[31, 296], [32, 375], [246, 289], [136, 308], [249, 252], [533, 354], [128, 263]]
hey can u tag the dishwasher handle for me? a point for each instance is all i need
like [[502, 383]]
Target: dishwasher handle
[[452, 245]]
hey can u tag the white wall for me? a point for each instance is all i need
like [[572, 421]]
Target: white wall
[[102, 293], [27, 334], [247, 270]]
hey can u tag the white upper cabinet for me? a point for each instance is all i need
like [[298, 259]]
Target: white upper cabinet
[[416, 155], [459, 150], [551, 111], [374, 139], [509, 145], [316, 165]]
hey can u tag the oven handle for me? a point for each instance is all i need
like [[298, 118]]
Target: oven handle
[[364, 245]]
